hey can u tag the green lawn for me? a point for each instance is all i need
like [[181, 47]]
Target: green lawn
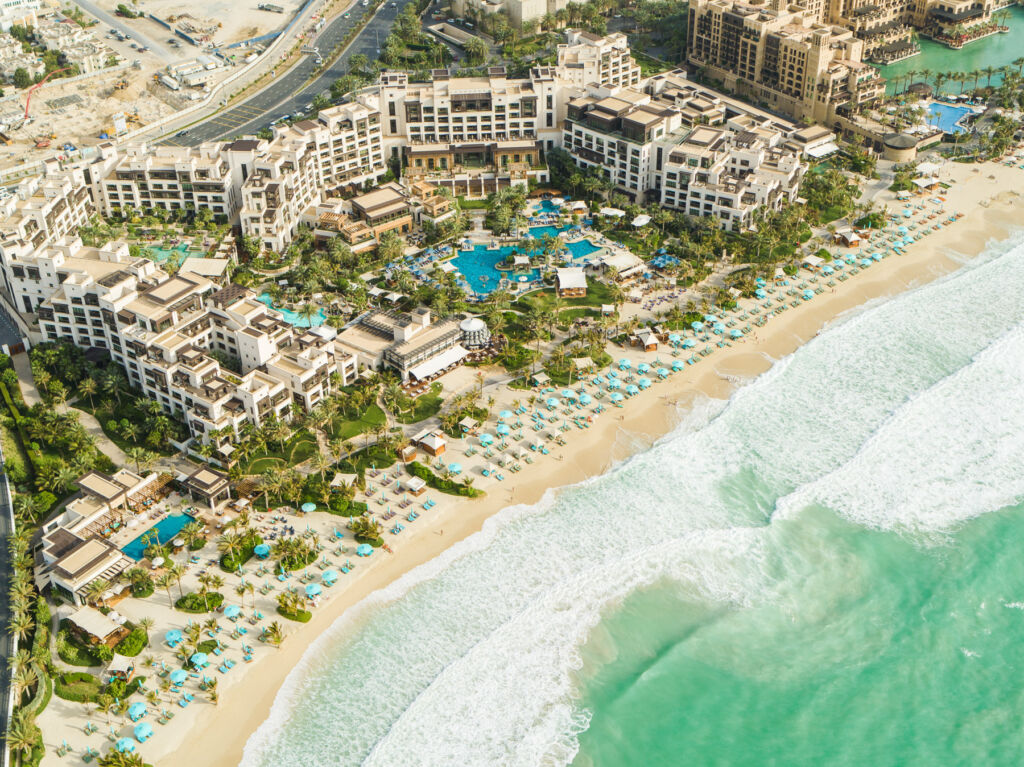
[[597, 293], [300, 447], [360, 461], [368, 421], [423, 407], [76, 653]]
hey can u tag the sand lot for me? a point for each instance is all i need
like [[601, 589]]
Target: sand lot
[[224, 21]]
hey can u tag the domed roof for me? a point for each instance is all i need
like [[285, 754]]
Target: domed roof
[[899, 141], [473, 325]]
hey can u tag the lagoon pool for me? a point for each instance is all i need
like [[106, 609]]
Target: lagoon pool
[[292, 317], [946, 116], [480, 268], [175, 255], [581, 249], [165, 529]]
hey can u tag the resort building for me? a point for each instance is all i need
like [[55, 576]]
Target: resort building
[[571, 282], [409, 343], [518, 11], [589, 59]]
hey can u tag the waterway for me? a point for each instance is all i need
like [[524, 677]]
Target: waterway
[[994, 51]]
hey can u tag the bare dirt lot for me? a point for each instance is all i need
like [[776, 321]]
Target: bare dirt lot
[[222, 21]]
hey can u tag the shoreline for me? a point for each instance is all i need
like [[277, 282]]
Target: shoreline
[[218, 735]]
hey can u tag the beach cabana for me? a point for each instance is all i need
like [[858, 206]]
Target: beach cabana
[[199, 660], [125, 745], [540, 379], [143, 732], [415, 485], [232, 611], [136, 710], [173, 637], [468, 425], [178, 676], [364, 550], [262, 551], [313, 590]]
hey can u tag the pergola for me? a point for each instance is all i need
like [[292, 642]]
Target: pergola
[[210, 485]]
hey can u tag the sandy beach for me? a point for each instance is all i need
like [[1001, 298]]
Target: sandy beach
[[204, 734]]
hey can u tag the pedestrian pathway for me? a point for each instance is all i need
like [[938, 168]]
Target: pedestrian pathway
[[26, 382]]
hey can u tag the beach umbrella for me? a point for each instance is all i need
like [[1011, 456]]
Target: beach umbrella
[[364, 550], [585, 399], [506, 415], [552, 402], [736, 334], [866, 262], [808, 294], [597, 381], [643, 367], [761, 293], [178, 676], [330, 576], [613, 374], [136, 710], [826, 269], [710, 318], [313, 589], [678, 365], [616, 397], [907, 213], [198, 659], [902, 230], [232, 611], [455, 468], [674, 338], [697, 326], [851, 259], [689, 343], [631, 390], [718, 328], [125, 745], [625, 364], [615, 383], [262, 550], [568, 394], [143, 731], [486, 439], [173, 636], [503, 429], [308, 506], [644, 383]]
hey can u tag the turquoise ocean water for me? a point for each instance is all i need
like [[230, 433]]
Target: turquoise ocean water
[[824, 570]]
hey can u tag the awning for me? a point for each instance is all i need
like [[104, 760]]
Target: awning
[[642, 220], [928, 168], [440, 362], [814, 260], [822, 150], [923, 183], [614, 212], [447, 267]]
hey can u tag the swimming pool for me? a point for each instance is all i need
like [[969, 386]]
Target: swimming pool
[[548, 207], [165, 529], [946, 116], [293, 317], [480, 268], [580, 249], [177, 254]]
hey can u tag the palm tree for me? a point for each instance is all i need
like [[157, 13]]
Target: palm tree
[[87, 388], [22, 734], [229, 545], [165, 581], [274, 634], [192, 533], [176, 571], [20, 624], [145, 623], [23, 679], [95, 590], [366, 528]]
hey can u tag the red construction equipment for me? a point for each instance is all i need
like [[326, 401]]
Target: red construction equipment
[[32, 89]]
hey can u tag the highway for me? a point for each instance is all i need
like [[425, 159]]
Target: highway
[[288, 93]]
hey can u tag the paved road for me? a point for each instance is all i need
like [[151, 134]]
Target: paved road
[[288, 93], [110, 20], [6, 641]]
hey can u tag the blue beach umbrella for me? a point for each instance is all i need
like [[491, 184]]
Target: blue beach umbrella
[[143, 731], [808, 295], [643, 367], [330, 576], [568, 394], [198, 659], [907, 213], [677, 365], [662, 372], [615, 383], [178, 676], [585, 399], [718, 328], [262, 550], [632, 389], [674, 338], [137, 710], [308, 507], [503, 429], [710, 318], [486, 439], [506, 415], [232, 611], [866, 262], [760, 282], [364, 550], [827, 269], [644, 383], [902, 230], [697, 326], [761, 293], [455, 468], [625, 364], [616, 397], [736, 334], [850, 258], [173, 636], [313, 589], [689, 343], [125, 745], [552, 402]]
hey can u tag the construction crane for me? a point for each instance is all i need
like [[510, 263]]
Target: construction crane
[[31, 90]]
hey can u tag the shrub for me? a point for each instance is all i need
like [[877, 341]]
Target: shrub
[[231, 563], [302, 616], [445, 485], [194, 603], [134, 643], [77, 686]]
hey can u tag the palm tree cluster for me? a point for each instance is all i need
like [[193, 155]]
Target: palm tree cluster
[[295, 552], [291, 603]]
